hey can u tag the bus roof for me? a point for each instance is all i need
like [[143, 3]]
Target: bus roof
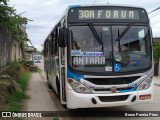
[[109, 5]]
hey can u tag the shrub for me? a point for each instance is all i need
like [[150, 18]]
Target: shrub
[[156, 52]]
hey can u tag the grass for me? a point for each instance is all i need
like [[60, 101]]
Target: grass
[[15, 99], [15, 65], [14, 70], [56, 118], [23, 79]]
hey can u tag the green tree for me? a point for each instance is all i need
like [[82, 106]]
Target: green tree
[[156, 52], [11, 21]]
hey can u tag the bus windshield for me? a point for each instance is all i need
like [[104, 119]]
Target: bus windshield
[[130, 52]]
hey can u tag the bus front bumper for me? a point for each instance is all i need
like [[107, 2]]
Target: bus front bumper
[[78, 100]]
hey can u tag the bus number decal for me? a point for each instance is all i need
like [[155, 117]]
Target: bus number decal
[[86, 14]]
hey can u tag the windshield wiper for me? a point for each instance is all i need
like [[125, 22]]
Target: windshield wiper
[[121, 57], [98, 38], [122, 34]]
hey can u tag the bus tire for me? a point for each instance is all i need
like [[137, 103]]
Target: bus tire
[[48, 84], [58, 87], [65, 106]]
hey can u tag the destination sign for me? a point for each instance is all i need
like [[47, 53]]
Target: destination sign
[[107, 14]]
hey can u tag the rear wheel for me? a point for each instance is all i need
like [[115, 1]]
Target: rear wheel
[[48, 84], [65, 106], [58, 87]]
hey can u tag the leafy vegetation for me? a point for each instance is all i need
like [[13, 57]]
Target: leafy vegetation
[[156, 52], [23, 79], [15, 101], [14, 70], [11, 21], [16, 98], [56, 118]]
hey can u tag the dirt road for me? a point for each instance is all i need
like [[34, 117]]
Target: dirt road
[[45, 99], [41, 97]]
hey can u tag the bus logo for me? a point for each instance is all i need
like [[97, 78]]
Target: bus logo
[[76, 53], [113, 89]]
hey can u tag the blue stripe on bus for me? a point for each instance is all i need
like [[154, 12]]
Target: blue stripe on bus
[[74, 6], [130, 90], [74, 75]]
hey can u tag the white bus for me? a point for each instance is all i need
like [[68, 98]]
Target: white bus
[[100, 56], [37, 58]]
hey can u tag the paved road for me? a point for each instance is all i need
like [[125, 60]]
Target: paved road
[[44, 99]]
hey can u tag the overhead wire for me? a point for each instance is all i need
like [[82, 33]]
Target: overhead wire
[[136, 1], [154, 15], [154, 10]]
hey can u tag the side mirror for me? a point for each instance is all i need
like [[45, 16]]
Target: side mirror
[[62, 37]]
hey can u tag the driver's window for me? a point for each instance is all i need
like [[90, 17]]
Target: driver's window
[[141, 35]]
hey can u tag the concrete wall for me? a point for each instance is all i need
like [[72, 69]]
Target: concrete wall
[[9, 49], [16, 51]]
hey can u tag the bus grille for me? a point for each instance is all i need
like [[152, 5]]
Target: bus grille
[[112, 81], [113, 98], [108, 89]]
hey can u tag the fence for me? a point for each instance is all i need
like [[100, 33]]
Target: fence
[[9, 49]]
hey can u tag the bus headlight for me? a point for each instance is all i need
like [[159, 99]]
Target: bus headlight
[[145, 84], [77, 86]]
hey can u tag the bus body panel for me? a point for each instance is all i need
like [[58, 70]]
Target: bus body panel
[[77, 100], [53, 72]]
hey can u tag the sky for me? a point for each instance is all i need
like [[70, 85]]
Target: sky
[[44, 14]]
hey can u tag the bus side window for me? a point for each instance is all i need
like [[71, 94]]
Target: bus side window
[[56, 48], [141, 35], [49, 43], [52, 44], [55, 42], [46, 46], [44, 49]]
